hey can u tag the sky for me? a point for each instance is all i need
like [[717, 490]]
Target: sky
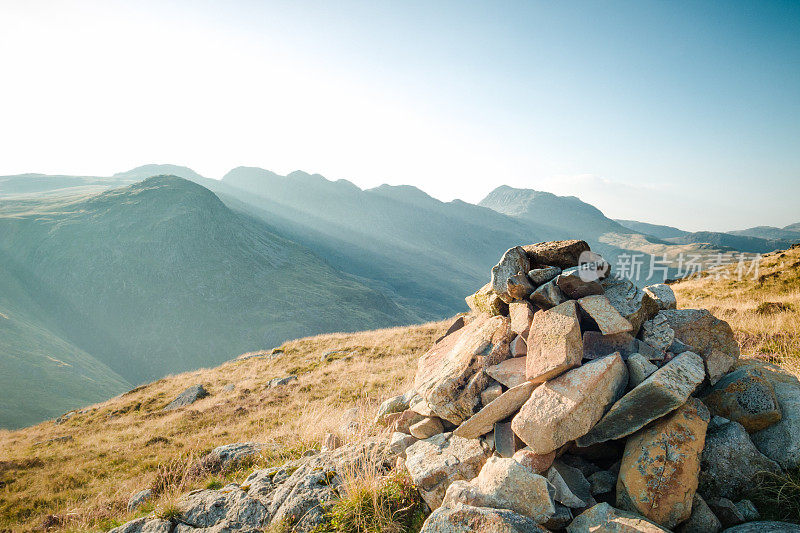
[[670, 112]]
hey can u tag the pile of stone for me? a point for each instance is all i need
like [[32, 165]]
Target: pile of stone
[[570, 399]]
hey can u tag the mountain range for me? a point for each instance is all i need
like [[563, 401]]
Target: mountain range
[[108, 282]]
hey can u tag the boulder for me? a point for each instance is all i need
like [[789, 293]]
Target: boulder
[[574, 286], [781, 442], [519, 286], [399, 442], [187, 397], [145, 524], [554, 343], [560, 519], [730, 463], [449, 375], [507, 404], [230, 455], [658, 333], [277, 382], [702, 519], [748, 510], [301, 499], [427, 427], [602, 482], [504, 484], [521, 315], [548, 295], [608, 319], [510, 372], [229, 508], [486, 301], [436, 462], [727, 512], [540, 276], [468, 519], [562, 254], [535, 462], [596, 345], [514, 261], [664, 391], [745, 396], [658, 474], [491, 393], [639, 369], [568, 406], [571, 488], [630, 301], [662, 295], [139, 499], [602, 518], [764, 527], [709, 336]]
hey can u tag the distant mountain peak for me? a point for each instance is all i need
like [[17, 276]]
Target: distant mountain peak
[[153, 169]]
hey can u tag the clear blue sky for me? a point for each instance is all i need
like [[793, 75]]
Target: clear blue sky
[[682, 113]]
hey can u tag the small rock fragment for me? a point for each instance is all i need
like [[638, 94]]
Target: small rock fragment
[[639, 369]]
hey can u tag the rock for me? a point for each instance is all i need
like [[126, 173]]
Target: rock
[[420, 406], [187, 397], [449, 375], [230, 387], [602, 518], [139, 499], [711, 338], [658, 333], [436, 462], [277, 382], [536, 463], [232, 454], [540, 276], [574, 286], [781, 442], [726, 511], [764, 527], [562, 254], [331, 442], [403, 421], [748, 510], [521, 315], [702, 519], [505, 484], [548, 295], [571, 487], [395, 404], [427, 427], [745, 396], [507, 404], [491, 393], [510, 372], [658, 474], [632, 303], [399, 442], [299, 502], [456, 325], [602, 482], [554, 344], [514, 261], [349, 424], [608, 319], [664, 391], [505, 441], [639, 369], [229, 508], [519, 286], [519, 348], [468, 519], [596, 345], [568, 406], [730, 463], [662, 295], [486, 301], [145, 524]]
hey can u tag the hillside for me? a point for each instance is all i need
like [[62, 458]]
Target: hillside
[[155, 278], [656, 230], [790, 232], [742, 243]]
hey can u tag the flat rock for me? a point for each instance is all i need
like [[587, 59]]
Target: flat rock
[[702, 519], [658, 333], [726, 511], [539, 276], [510, 372], [505, 484], [229, 508], [548, 295], [731, 463], [596, 345], [468, 519], [571, 486], [485, 300], [514, 261], [575, 286], [602, 518], [449, 375], [662, 295], [491, 393], [745, 396], [427, 427], [568, 406], [562, 254], [521, 315], [639, 369], [145, 524], [709, 336], [554, 344], [535, 462], [436, 462], [658, 474], [630, 301], [507, 404], [230, 455], [187, 397], [664, 391], [399, 442], [608, 319]]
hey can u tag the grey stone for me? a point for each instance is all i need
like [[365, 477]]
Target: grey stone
[[574, 286], [602, 482], [548, 295], [505, 441], [596, 345], [463, 518], [702, 519], [602, 518], [277, 382], [187, 397], [781, 442], [228, 508], [563, 254], [232, 454], [399, 442], [608, 319], [571, 487], [299, 501], [748, 510], [560, 519], [507, 404], [514, 261], [539, 276], [658, 333], [639, 369], [745, 396], [395, 404], [145, 524], [764, 527], [662, 295], [664, 391], [726, 511], [138, 499], [630, 301]]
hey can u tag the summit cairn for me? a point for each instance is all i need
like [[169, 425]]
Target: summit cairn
[[571, 399]]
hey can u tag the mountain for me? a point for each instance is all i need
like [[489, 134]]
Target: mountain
[[155, 278], [656, 230], [738, 243], [789, 233]]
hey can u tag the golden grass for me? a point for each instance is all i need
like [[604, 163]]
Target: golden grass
[[128, 443]]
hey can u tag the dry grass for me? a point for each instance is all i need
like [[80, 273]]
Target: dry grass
[[128, 443]]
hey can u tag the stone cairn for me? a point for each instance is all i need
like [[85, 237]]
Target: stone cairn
[[569, 399]]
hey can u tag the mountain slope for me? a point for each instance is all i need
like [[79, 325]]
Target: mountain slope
[[739, 243], [789, 233], [161, 276], [656, 230]]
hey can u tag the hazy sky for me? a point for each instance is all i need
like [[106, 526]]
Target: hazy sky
[[683, 113]]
